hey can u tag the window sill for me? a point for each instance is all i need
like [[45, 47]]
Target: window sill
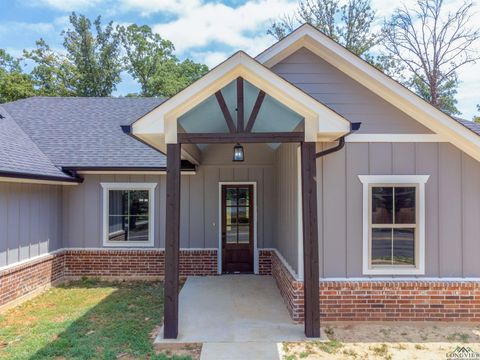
[[394, 271], [128, 244]]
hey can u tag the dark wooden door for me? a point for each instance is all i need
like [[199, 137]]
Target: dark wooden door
[[237, 228]]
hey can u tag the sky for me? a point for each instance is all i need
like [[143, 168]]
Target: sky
[[205, 31]]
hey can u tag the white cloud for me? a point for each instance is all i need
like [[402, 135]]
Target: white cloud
[[210, 58], [199, 24]]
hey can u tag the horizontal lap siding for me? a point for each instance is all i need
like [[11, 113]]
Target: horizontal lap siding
[[349, 98], [452, 205], [29, 221]]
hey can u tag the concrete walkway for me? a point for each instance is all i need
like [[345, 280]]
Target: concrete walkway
[[235, 316]]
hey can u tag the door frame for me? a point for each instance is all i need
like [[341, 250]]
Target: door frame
[[255, 248]]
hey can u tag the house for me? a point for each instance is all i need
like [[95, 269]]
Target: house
[[305, 163]]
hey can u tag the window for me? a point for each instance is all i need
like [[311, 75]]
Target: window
[[394, 224], [128, 214]]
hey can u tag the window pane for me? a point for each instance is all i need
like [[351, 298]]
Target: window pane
[[231, 215], [243, 196], [381, 246], [405, 205], [231, 234], [138, 202], [231, 196], [382, 205], [243, 215], [117, 202], [138, 229], [404, 246], [243, 234], [117, 228]]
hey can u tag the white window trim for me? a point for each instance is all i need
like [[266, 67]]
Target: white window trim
[[420, 181], [151, 216]]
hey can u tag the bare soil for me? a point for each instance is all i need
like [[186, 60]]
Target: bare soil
[[388, 341]]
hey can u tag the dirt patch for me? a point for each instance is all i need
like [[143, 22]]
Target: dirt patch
[[402, 341], [180, 349]]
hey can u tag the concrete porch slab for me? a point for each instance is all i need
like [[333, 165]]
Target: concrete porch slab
[[242, 351], [233, 308]]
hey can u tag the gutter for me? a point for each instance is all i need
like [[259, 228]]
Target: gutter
[[18, 175], [341, 141]]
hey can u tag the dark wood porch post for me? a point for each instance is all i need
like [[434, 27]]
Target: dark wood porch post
[[310, 240], [172, 241]]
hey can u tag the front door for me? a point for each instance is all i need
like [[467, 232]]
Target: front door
[[237, 228]]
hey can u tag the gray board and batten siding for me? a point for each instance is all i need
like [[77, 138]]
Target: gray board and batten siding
[[30, 223], [83, 208]]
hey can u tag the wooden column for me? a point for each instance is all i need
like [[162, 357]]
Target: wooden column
[[172, 242], [310, 240]]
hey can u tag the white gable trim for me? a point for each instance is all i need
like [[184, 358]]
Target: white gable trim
[[382, 85], [160, 125]]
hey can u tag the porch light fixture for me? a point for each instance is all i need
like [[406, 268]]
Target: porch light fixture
[[238, 154]]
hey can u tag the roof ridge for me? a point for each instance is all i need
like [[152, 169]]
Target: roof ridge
[[34, 143]]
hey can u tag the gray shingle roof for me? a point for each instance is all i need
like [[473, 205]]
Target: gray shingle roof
[[19, 154], [86, 132], [475, 127]]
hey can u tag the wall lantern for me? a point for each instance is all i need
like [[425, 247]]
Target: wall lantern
[[238, 154]]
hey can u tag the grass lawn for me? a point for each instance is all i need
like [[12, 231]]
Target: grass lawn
[[399, 341], [86, 320]]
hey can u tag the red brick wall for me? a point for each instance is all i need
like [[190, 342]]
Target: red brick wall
[[383, 300], [26, 278], [290, 288], [136, 263], [23, 279], [264, 262]]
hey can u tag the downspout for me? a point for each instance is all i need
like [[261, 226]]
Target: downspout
[[341, 141]]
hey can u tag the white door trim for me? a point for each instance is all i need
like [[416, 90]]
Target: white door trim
[[255, 247]]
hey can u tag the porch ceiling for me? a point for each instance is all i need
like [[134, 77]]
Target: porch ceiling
[[284, 105], [273, 116]]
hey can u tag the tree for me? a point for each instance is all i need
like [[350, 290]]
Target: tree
[[53, 74], [14, 84], [95, 56], [348, 24], [432, 46], [476, 118], [150, 60]]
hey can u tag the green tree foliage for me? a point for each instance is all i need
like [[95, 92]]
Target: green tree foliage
[[150, 60], [476, 118], [348, 24], [53, 74], [432, 45], [14, 84], [94, 54]]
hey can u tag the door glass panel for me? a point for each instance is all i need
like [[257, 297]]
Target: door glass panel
[[231, 215], [243, 234], [231, 234], [243, 215], [404, 246], [243, 196], [231, 197], [381, 246]]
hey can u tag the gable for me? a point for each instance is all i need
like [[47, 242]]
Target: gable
[[346, 96], [441, 124]]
